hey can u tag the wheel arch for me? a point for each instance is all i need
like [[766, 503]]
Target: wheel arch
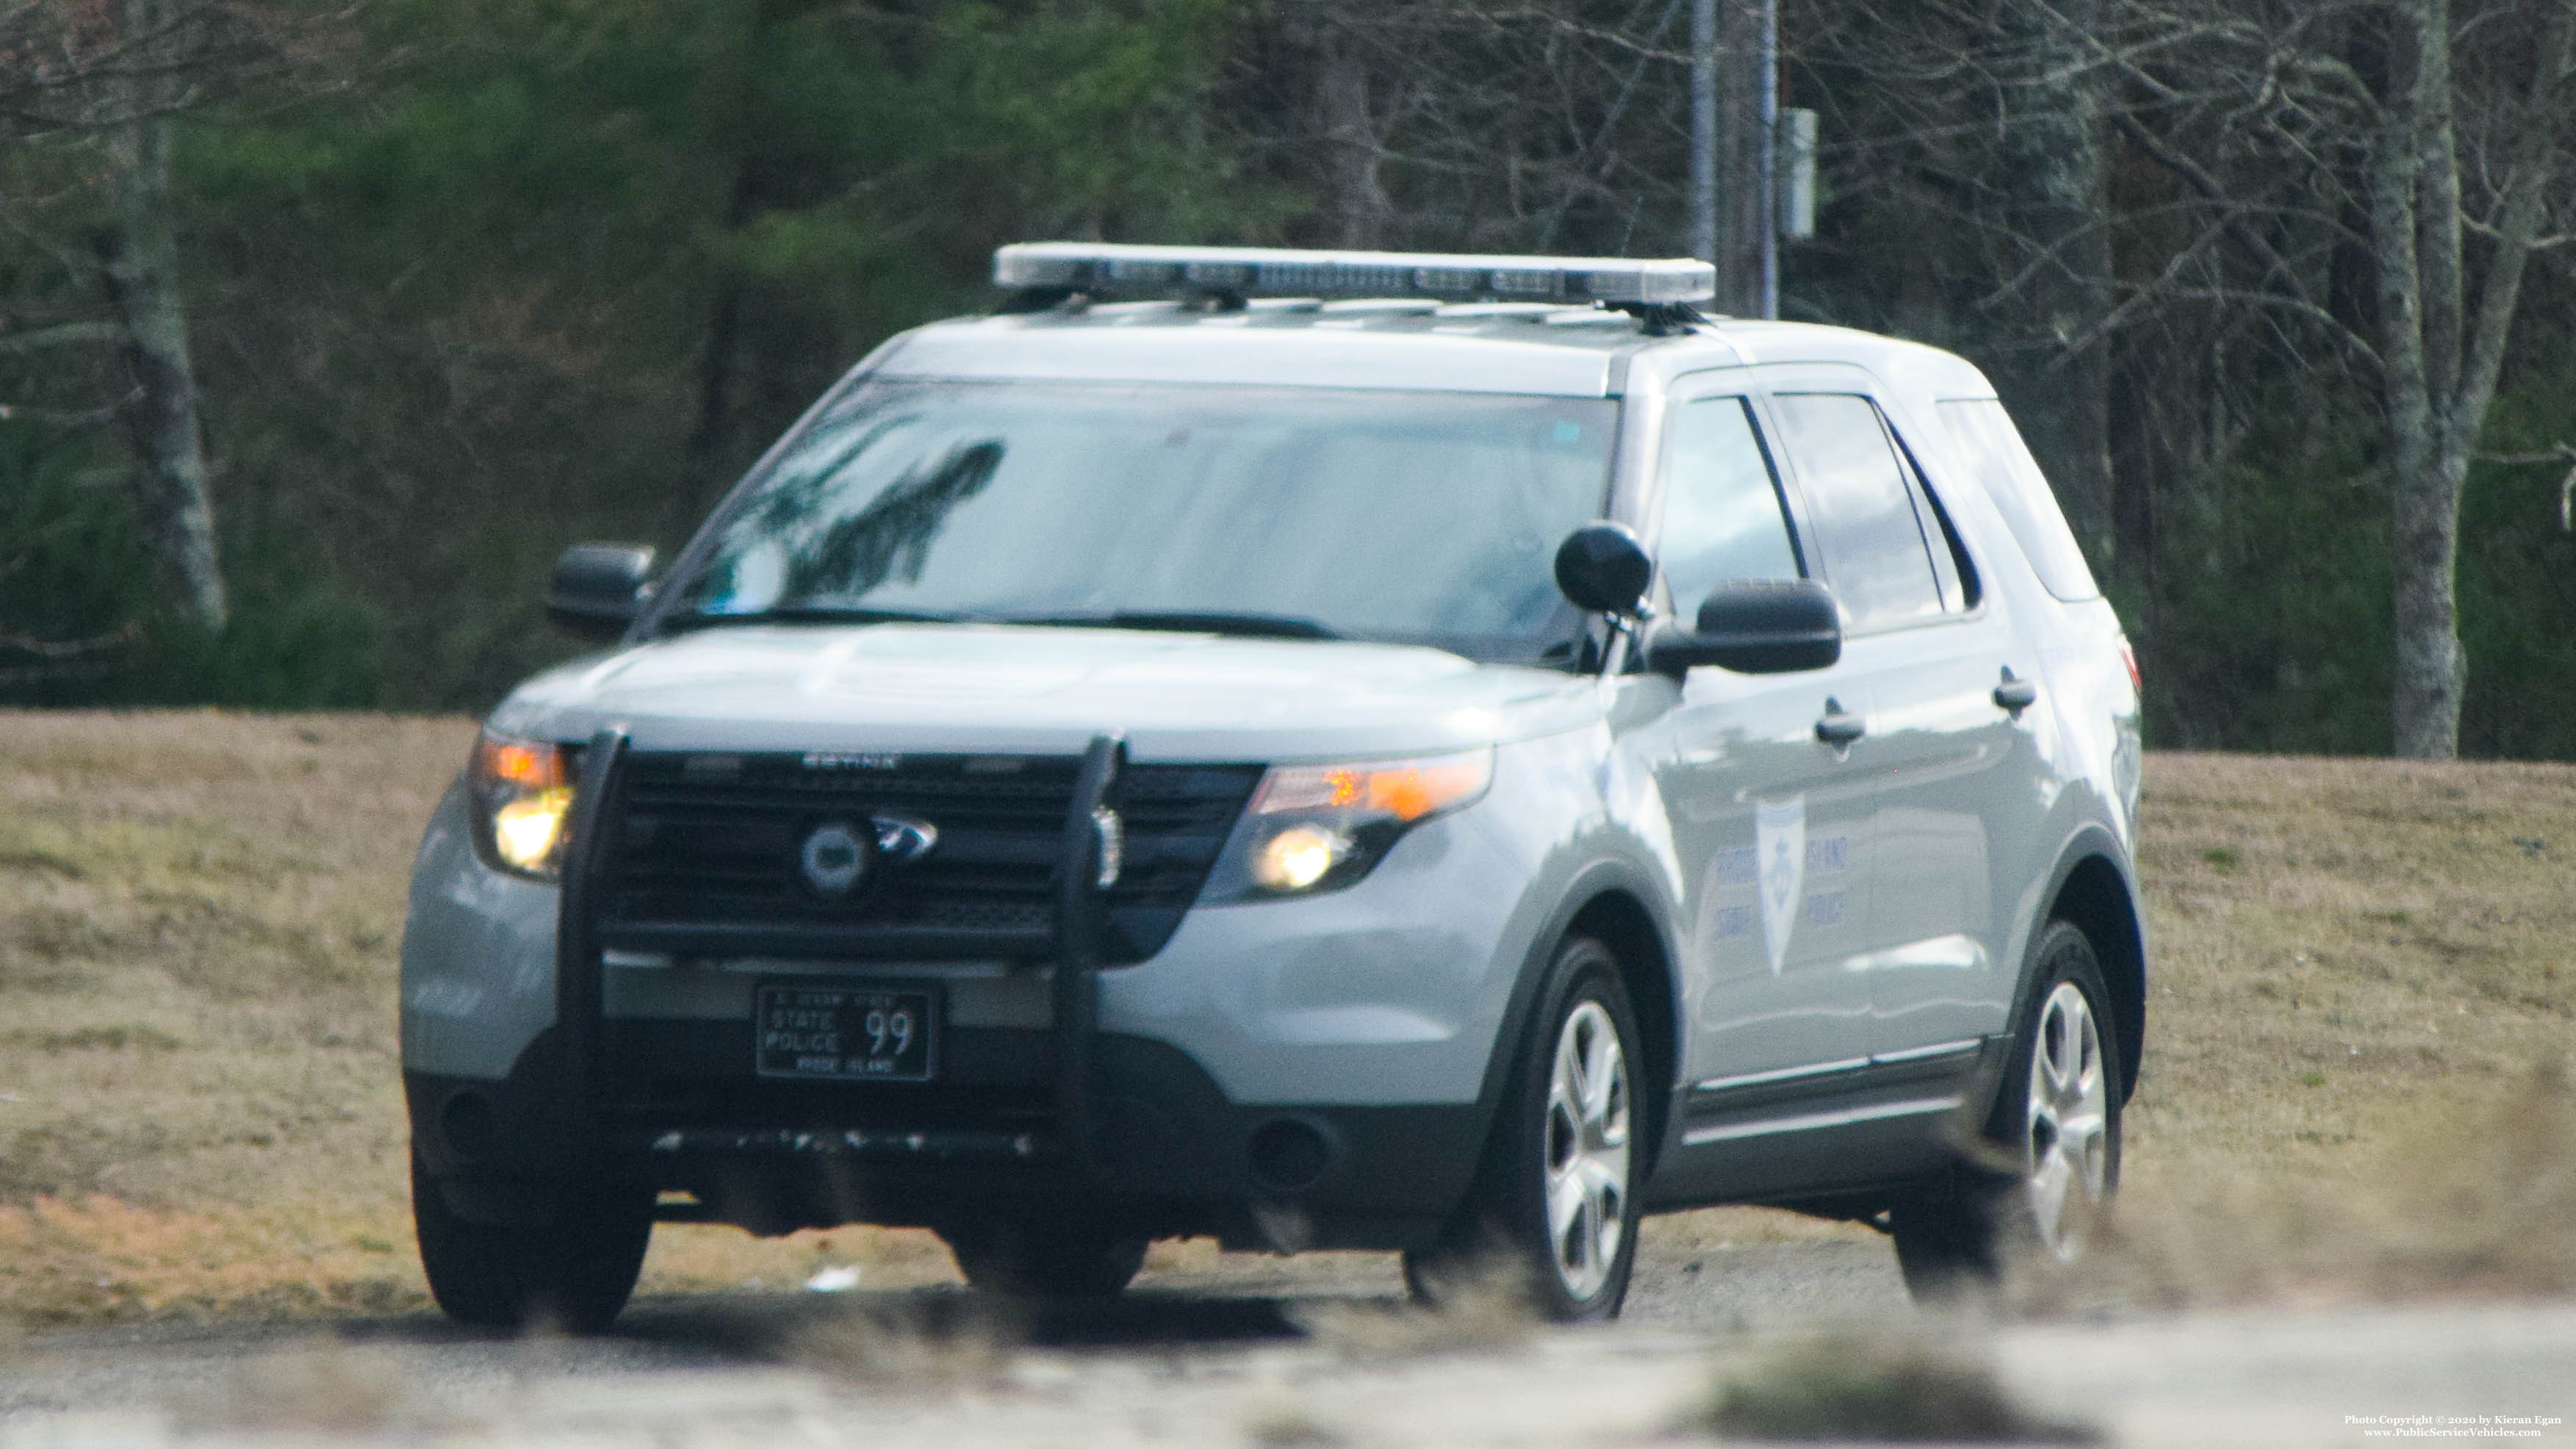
[[1621, 922], [2094, 895], [1612, 902]]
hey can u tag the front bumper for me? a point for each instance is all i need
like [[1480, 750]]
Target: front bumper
[[1285, 1075], [1172, 1155]]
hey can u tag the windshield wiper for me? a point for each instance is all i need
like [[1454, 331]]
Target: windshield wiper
[[818, 614], [1186, 621]]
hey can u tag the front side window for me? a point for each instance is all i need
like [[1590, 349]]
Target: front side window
[[1722, 514], [1424, 518], [1875, 554]]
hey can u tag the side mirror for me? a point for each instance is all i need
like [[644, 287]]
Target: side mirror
[[598, 588], [1603, 569], [1757, 626]]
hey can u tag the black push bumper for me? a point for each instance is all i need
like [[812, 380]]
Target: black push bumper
[[1066, 1120]]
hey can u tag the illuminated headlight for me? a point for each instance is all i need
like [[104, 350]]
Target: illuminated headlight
[[1320, 827], [522, 802], [1295, 858]]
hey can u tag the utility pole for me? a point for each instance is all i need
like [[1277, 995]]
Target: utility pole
[[1735, 120], [1703, 151], [1766, 84]]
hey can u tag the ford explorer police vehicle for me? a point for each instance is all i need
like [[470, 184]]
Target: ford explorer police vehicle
[[1443, 754]]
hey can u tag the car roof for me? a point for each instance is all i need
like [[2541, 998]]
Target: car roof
[[1487, 347]]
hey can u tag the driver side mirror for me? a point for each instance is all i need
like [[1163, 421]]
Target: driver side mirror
[[1756, 626], [599, 588], [1602, 569]]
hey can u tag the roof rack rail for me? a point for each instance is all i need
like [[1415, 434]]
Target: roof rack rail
[[1044, 274]]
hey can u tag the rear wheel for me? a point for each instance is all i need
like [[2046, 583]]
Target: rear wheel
[[574, 1272], [1553, 1211], [2057, 1121], [1019, 1258]]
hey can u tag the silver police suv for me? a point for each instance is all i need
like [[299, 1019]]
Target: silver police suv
[[1323, 750]]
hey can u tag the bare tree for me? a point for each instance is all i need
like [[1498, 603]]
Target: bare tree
[[138, 251], [2309, 131], [2443, 338], [106, 82], [2353, 188]]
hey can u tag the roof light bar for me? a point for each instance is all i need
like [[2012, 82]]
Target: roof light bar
[[1101, 269]]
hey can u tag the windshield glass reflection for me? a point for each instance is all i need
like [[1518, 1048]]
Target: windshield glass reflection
[[1426, 518]]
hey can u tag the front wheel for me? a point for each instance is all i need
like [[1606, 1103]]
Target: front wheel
[[2057, 1121], [574, 1271], [1554, 1205]]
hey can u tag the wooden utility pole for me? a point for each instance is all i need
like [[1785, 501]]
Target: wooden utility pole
[[1703, 152], [1735, 116]]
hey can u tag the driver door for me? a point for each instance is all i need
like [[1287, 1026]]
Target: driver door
[[1770, 824]]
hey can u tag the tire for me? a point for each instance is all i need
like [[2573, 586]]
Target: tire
[[574, 1273], [1552, 1213], [2056, 1123], [1021, 1259]]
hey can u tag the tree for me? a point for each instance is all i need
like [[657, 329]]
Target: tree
[[138, 253], [110, 80], [2341, 192], [2444, 338], [2311, 133]]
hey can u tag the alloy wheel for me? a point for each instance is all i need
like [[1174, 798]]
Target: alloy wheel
[[2067, 1143], [1587, 1149]]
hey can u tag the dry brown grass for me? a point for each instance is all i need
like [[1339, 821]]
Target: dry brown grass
[[2364, 977], [200, 1101], [1864, 1388], [2332, 938], [200, 1108]]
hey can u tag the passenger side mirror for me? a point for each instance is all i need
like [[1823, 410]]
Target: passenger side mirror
[[1757, 626], [599, 588], [1603, 569]]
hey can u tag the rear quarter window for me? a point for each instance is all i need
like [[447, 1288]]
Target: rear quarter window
[[2002, 462]]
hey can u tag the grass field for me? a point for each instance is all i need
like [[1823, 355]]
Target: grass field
[[2358, 966]]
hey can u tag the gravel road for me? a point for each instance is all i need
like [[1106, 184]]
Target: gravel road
[[1247, 1351]]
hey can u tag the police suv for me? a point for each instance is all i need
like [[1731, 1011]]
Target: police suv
[[1316, 749]]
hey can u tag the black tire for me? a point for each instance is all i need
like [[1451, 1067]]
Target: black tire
[[574, 1273], [1027, 1259], [1504, 1235], [1956, 1232]]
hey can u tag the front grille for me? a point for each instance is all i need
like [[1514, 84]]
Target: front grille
[[703, 853]]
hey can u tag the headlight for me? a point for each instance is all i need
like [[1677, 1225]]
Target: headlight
[[1320, 827], [522, 802]]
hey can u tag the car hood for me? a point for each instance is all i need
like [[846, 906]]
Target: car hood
[[983, 688]]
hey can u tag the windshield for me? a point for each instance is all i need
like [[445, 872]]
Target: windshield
[[1425, 518]]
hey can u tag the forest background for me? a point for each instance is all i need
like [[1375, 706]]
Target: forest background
[[455, 283]]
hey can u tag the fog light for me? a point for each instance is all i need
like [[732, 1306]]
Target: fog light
[[1297, 857]]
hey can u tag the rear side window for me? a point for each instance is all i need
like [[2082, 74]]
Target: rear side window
[[1994, 449], [1876, 557], [1722, 515]]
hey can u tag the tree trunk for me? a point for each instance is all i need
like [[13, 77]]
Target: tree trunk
[[2424, 522], [139, 253], [2441, 362], [1355, 150]]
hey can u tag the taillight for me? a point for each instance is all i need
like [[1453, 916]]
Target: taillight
[[2129, 657]]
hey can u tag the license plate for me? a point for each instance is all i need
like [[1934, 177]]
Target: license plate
[[842, 1034]]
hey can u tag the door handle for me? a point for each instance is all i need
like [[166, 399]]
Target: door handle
[[2015, 695], [1839, 728]]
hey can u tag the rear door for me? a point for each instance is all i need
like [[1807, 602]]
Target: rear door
[[1946, 748]]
